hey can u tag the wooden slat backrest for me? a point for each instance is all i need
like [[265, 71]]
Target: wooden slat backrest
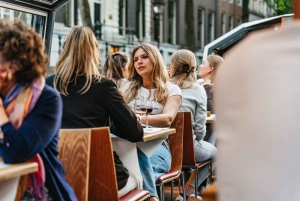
[[74, 148], [176, 142], [103, 179], [88, 161], [188, 141]]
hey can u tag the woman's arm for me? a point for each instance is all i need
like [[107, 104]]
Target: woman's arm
[[168, 115], [38, 129], [125, 121]]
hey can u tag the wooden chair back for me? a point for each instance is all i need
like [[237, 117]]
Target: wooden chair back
[[188, 141], [88, 161], [176, 142]]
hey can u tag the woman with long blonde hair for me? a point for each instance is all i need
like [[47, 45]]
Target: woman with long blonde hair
[[148, 82], [207, 72], [90, 100], [183, 73]]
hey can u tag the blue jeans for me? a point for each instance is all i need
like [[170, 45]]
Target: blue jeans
[[152, 168], [203, 151]]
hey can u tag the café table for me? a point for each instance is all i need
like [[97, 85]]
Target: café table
[[127, 151], [10, 175], [211, 119]]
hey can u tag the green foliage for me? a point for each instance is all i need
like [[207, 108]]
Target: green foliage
[[280, 7]]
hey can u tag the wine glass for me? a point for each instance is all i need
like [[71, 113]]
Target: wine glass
[[149, 109], [140, 108]]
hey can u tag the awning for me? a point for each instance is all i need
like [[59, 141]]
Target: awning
[[228, 40], [41, 5]]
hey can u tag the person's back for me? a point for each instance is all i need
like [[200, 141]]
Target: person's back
[[194, 101], [258, 131], [89, 100]]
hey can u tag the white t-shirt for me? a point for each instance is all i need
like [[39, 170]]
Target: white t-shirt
[[146, 94]]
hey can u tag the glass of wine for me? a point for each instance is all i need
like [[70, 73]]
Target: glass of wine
[[149, 109], [140, 108]]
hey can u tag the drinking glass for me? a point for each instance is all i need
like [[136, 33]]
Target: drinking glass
[[140, 108], [149, 109]]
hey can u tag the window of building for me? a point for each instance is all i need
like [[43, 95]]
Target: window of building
[[200, 28], [230, 1], [239, 21], [114, 49], [223, 23], [97, 20], [140, 19], [240, 2], [172, 21], [211, 27], [230, 22], [122, 16]]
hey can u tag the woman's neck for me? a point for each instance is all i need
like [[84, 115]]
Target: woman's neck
[[148, 83], [208, 77]]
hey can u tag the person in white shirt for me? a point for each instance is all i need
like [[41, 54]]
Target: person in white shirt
[[148, 81]]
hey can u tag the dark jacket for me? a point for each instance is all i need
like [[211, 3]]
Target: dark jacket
[[39, 134], [101, 103]]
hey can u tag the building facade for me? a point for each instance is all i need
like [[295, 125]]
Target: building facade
[[120, 25]]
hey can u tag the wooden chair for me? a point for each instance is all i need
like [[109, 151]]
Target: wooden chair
[[176, 147], [188, 160], [88, 161]]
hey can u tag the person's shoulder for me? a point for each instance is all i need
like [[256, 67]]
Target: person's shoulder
[[104, 83], [173, 89], [172, 86], [48, 90]]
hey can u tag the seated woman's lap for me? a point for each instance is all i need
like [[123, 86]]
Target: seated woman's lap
[[204, 150]]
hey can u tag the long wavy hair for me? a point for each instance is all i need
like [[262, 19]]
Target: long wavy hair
[[113, 66], [184, 64], [80, 57], [159, 75]]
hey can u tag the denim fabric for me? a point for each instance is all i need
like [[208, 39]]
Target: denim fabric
[[153, 167], [203, 151]]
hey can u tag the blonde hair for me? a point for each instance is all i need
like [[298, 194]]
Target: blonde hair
[[113, 66], [214, 61], [184, 64], [159, 75], [80, 57]]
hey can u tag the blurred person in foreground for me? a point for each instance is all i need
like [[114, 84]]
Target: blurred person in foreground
[[148, 81], [91, 100], [257, 126], [207, 72], [30, 112], [183, 73], [116, 68]]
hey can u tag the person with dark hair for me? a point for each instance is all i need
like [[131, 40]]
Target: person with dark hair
[[116, 68], [90, 100], [30, 112]]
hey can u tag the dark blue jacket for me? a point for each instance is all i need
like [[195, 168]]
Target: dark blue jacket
[[39, 134]]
